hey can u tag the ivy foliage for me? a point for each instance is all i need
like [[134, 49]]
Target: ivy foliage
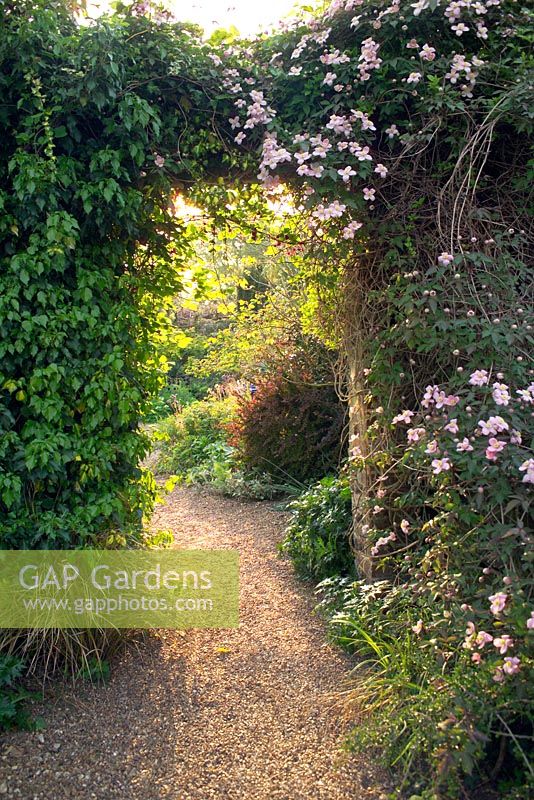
[[98, 124]]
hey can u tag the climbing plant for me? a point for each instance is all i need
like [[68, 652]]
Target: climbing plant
[[98, 124]]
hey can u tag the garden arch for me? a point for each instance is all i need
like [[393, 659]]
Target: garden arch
[[395, 148]]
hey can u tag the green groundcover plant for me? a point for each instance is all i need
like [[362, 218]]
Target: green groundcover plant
[[194, 447], [317, 537]]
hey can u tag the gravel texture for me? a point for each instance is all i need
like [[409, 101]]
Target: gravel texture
[[195, 715]]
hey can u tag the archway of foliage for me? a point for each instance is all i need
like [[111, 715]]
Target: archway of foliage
[[402, 131]]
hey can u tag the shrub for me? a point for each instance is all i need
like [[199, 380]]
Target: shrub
[[449, 644], [417, 703], [317, 537], [290, 428], [196, 437], [196, 449]]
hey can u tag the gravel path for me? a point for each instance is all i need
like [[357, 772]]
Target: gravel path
[[183, 720]]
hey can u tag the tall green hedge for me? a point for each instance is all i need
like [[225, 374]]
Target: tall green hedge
[[97, 124]]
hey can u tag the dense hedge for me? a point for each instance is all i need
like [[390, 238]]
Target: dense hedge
[[89, 255]]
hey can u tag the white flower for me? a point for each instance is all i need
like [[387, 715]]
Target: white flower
[[346, 173], [302, 156], [527, 395], [459, 28], [421, 5], [368, 194], [414, 77], [315, 170], [381, 170]]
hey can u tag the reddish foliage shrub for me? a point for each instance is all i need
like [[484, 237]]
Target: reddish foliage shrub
[[290, 427]]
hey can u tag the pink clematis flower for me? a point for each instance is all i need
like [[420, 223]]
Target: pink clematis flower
[[482, 639], [498, 603], [498, 675], [528, 468], [346, 174], [404, 416], [418, 627], [350, 229], [427, 53], [414, 434], [501, 394], [495, 447], [511, 665], [502, 643], [493, 426], [479, 377], [464, 446], [445, 259], [440, 465]]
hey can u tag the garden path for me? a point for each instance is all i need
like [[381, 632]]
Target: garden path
[[238, 714]]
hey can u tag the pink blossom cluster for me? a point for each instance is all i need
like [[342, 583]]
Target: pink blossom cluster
[[382, 542], [332, 211], [272, 155], [461, 65], [318, 158], [368, 59], [434, 396], [477, 641], [528, 468], [498, 431]]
